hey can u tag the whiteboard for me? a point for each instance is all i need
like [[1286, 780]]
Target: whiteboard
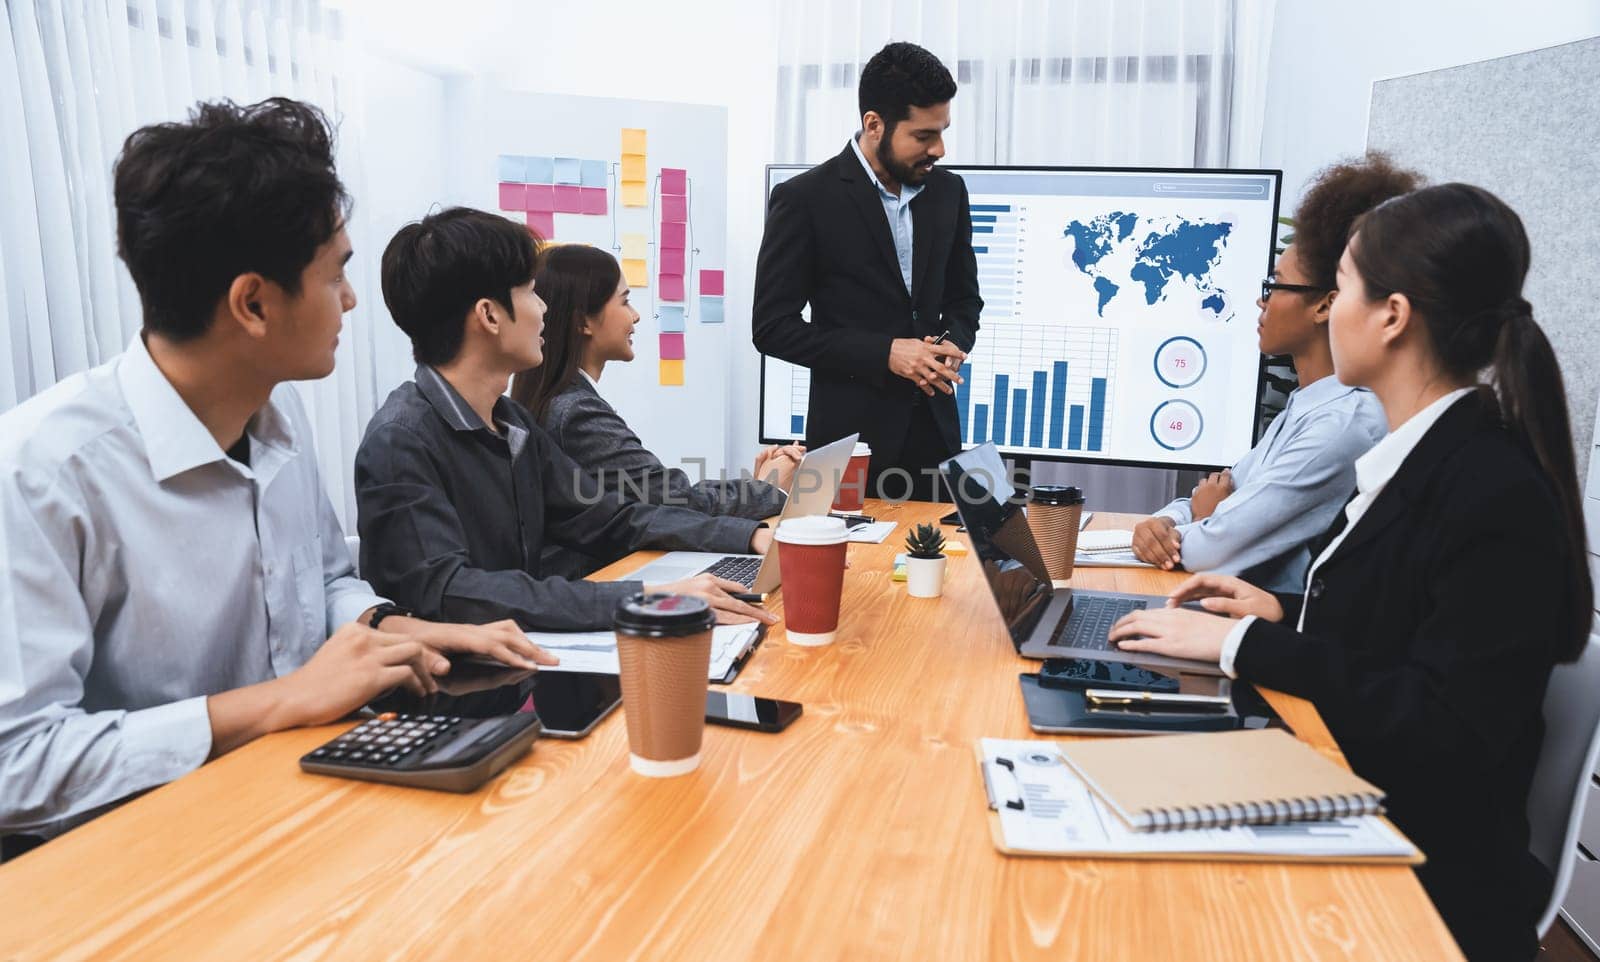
[[679, 423]]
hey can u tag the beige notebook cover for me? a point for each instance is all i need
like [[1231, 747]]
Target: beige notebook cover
[[1219, 779]]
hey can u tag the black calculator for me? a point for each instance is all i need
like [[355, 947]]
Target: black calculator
[[444, 752]]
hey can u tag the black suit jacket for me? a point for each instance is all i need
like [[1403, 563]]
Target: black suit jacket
[[1430, 635], [828, 243]]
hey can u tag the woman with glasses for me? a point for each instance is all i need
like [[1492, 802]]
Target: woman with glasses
[[1456, 577], [1254, 520]]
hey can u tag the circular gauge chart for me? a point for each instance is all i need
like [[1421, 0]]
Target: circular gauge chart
[[1180, 361], [1176, 425]]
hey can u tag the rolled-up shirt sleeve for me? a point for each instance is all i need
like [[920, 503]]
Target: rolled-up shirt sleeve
[[58, 762]]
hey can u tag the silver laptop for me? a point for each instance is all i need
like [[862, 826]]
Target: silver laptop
[[1044, 621], [815, 483]]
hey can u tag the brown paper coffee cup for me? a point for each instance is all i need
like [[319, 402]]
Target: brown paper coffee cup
[[811, 554], [853, 483], [664, 651], [1053, 514]]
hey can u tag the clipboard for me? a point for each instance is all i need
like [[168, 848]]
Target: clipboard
[[744, 658], [1008, 794]]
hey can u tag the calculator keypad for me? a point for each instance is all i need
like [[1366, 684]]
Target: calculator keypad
[[390, 740]]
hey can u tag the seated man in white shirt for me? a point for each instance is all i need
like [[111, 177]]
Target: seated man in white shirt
[[174, 582], [1254, 520]]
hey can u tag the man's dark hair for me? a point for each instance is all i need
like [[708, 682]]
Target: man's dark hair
[[434, 270], [234, 190], [902, 76]]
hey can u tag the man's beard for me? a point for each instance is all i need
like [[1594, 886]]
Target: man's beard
[[903, 173]]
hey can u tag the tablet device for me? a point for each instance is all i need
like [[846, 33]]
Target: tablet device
[[569, 704], [1062, 710]]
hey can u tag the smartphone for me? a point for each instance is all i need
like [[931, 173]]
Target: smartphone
[[1079, 673], [747, 711]]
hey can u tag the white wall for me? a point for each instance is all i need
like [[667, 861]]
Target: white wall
[[1325, 57]]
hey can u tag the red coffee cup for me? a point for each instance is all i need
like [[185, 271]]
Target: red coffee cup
[[853, 482], [811, 561]]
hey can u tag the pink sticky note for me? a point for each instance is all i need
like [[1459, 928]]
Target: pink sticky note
[[670, 262], [673, 236], [513, 197], [569, 199], [711, 283], [671, 288], [543, 223], [674, 208], [594, 200], [672, 347], [541, 197], [674, 180]]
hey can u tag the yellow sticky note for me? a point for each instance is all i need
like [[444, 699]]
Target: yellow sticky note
[[634, 195], [632, 169], [636, 272], [672, 373], [633, 140], [635, 246]]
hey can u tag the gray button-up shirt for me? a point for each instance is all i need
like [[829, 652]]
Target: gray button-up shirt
[[1286, 490], [142, 571], [897, 207]]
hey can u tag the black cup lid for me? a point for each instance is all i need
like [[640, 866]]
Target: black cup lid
[[664, 616], [1056, 494]]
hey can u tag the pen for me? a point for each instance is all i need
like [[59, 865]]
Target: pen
[[1145, 699], [851, 520], [941, 338]]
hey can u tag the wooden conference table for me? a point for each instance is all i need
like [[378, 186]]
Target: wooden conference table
[[859, 833]]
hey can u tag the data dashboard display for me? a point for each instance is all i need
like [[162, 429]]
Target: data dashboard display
[[1119, 317]]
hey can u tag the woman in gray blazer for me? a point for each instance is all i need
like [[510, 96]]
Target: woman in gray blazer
[[588, 322]]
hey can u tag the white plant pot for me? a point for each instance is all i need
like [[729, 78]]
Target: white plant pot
[[925, 577]]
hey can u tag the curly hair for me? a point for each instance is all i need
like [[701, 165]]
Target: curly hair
[[1337, 196], [231, 191]]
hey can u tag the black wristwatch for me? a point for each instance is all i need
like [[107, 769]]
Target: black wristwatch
[[385, 610]]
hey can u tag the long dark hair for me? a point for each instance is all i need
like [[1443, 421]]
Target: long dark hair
[[575, 281], [1460, 255]]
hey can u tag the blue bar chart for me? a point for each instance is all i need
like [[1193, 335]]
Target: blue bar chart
[[1037, 417]]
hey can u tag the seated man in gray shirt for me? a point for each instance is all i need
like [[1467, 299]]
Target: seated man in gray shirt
[[459, 490], [1254, 520], [174, 582]]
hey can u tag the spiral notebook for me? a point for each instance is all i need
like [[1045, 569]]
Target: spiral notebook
[[1219, 780]]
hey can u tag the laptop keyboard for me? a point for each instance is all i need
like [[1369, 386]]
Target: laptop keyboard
[[1089, 621], [735, 568]]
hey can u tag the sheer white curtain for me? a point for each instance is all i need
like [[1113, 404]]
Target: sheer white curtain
[[76, 77], [1152, 83]]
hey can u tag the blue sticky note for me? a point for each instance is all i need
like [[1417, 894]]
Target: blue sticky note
[[513, 170], [671, 318], [569, 170], [594, 173], [710, 310], [541, 170]]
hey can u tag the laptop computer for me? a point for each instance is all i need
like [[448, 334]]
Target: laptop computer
[[816, 481], [1044, 621]]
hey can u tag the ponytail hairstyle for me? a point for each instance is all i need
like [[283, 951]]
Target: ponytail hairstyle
[[575, 281], [1460, 255]]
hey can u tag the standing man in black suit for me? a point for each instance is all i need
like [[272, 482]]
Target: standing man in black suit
[[879, 243]]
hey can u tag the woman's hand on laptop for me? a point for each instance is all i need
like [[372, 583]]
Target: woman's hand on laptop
[[718, 593], [1227, 595], [1175, 632]]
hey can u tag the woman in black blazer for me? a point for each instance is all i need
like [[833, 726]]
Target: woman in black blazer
[[1456, 577]]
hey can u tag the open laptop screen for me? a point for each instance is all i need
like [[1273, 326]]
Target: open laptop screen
[[1001, 539]]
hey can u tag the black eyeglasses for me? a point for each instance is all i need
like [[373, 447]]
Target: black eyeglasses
[[1268, 286]]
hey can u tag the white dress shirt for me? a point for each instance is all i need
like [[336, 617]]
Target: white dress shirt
[[1373, 472], [144, 570], [897, 207]]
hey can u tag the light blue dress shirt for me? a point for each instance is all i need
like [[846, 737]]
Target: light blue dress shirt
[[144, 570], [897, 207], [1286, 490]]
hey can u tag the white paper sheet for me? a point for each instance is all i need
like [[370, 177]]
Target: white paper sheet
[[596, 651]]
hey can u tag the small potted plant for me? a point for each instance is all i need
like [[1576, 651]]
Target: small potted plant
[[925, 562]]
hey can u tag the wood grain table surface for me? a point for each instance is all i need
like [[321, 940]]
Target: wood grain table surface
[[859, 833]]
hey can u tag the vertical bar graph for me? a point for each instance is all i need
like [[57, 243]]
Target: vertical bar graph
[[1075, 442], [1019, 406], [1097, 412], [1002, 394], [797, 424], [1058, 402], [980, 424], [1036, 412]]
